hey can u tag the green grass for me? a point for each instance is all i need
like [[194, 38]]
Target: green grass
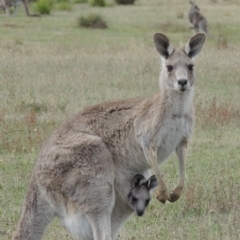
[[50, 69]]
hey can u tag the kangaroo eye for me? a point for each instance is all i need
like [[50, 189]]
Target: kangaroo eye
[[134, 199], [190, 67], [147, 202], [169, 68]]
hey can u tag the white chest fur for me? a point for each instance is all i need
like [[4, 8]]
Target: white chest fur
[[171, 134]]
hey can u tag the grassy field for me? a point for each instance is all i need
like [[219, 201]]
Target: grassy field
[[50, 69]]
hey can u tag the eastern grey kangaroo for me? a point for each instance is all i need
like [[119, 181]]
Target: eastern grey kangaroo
[[84, 171], [196, 19], [9, 3], [139, 196]]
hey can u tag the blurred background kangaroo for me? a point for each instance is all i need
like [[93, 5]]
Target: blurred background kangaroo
[[197, 20], [6, 4]]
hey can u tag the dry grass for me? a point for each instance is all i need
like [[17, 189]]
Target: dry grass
[[50, 69]]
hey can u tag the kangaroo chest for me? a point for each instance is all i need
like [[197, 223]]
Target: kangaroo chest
[[171, 134]]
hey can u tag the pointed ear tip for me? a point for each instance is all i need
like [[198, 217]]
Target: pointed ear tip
[[159, 35], [202, 35]]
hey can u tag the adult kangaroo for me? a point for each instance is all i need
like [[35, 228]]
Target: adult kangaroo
[[197, 20], [85, 169], [8, 3]]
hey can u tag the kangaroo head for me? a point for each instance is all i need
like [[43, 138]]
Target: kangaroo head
[[139, 196], [177, 66], [194, 7]]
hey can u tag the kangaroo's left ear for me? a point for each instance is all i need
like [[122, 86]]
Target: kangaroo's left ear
[[194, 45], [152, 182]]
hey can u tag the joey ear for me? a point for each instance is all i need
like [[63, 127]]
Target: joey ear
[[163, 45], [194, 45], [152, 182], [138, 180]]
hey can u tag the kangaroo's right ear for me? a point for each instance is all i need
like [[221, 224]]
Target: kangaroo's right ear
[[163, 45], [138, 180], [152, 182]]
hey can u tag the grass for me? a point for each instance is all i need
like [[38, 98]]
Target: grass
[[50, 69]]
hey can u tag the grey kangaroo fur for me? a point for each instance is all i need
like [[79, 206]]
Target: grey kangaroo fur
[[85, 169], [197, 20], [139, 196]]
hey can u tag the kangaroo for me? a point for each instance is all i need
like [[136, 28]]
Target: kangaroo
[[84, 171], [139, 196], [196, 19], [9, 3]]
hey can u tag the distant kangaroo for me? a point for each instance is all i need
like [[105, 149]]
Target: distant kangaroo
[[8, 3], [197, 20], [139, 196], [85, 169]]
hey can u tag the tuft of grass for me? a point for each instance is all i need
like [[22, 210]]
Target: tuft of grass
[[217, 115], [92, 21], [179, 14], [222, 41]]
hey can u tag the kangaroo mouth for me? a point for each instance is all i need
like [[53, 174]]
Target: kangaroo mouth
[[182, 89]]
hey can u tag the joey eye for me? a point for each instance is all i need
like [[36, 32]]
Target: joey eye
[[147, 202], [190, 67], [134, 199], [169, 68]]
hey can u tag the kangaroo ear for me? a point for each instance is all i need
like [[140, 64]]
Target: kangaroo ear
[[163, 45], [152, 182], [194, 45], [138, 180]]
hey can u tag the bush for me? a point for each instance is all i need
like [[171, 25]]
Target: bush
[[92, 21], [97, 3], [80, 1], [43, 6], [125, 2], [64, 6]]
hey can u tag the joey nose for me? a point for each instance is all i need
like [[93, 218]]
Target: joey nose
[[140, 213], [182, 82]]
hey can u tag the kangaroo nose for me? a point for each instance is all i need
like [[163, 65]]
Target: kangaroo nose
[[182, 82]]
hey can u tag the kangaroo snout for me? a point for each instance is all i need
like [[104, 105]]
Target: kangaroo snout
[[182, 83], [140, 212]]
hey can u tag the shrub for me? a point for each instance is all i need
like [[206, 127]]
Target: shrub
[[61, 1], [97, 3], [43, 6], [92, 21], [64, 6], [80, 1], [125, 2]]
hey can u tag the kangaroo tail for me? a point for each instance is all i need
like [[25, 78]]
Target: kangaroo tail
[[36, 215]]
